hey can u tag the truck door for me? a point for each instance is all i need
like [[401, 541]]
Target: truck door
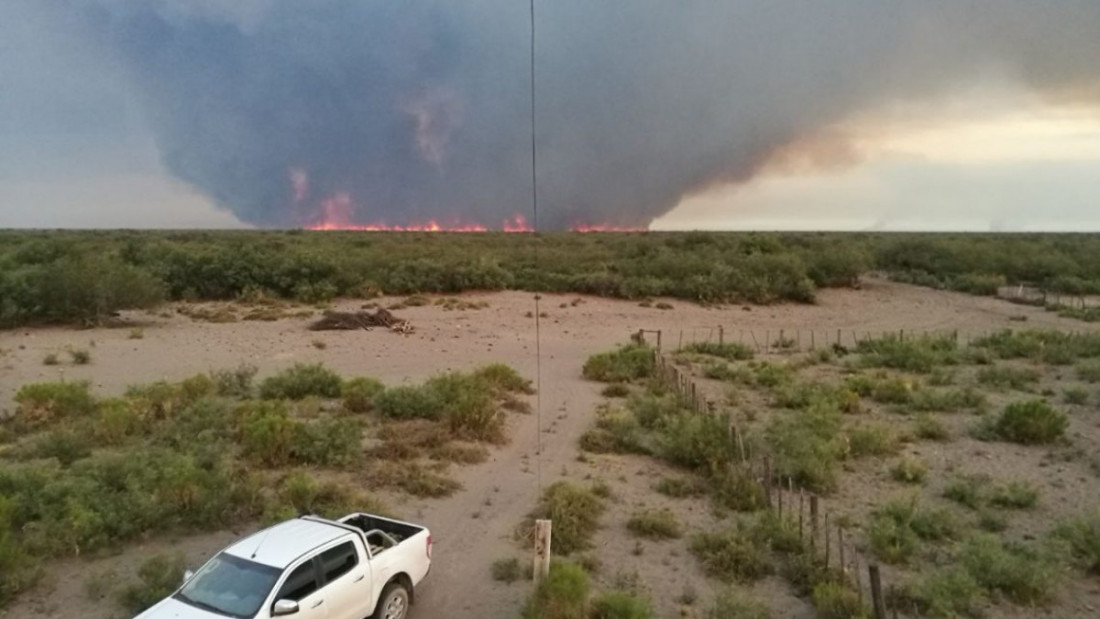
[[303, 586], [346, 581]]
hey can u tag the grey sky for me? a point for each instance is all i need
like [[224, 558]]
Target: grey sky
[[198, 113]]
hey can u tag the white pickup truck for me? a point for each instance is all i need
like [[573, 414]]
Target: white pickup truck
[[311, 568]]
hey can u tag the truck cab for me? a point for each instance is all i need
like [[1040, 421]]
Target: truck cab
[[359, 566]]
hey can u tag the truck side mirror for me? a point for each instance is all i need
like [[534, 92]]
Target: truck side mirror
[[187, 576], [284, 607]]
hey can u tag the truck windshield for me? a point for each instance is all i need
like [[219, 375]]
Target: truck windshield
[[230, 586]]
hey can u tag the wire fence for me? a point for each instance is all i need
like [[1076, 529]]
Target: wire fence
[[779, 341], [830, 545]]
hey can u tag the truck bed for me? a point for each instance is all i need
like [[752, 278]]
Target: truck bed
[[399, 531]]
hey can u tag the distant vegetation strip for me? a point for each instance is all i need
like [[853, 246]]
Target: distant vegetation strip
[[68, 276]]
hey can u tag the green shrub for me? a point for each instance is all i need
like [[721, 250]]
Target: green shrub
[[615, 390], [807, 447], [506, 570], [680, 487], [968, 490], [80, 356], [575, 512], [929, 428], [730, 351], [654, 524], [734, 488], [892, 391], [409, 402], [41, 404], [65, 444], [1083, 537], [730, 604], [621, 605], [628, 363], [503, 379], [563, 594], [359, 393], [947, 401], [327, 442], [1015, 495], [468, 406], [160, 575], [116, 421], [1015, 572], [909, 471], [301, 381], [268, 435], [833, 600], [898, 526], [950, 592], [916, 354], [1053, 347], [1031, 422], [697, 441], [732, 555], [871, 439], [1089, 371], [1020, 379], [1076, 395], [50, 359], [235, 383], [616, 431]]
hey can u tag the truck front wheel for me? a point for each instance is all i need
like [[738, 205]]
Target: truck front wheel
[[394, 603]]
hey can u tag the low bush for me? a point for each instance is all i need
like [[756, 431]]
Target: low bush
[[898, 526], [1020, 379], [301, 381], [615, 390], [696, 441], [871, 439], [159, 576], [236, 383], [916, 354], [929, 428], [408, 402], [1015, 572], [1089, 371], [892, 391], [731, 351], [1015, 495], [968, 490], [621, 605], [807, 447], [1030, 422], [654, 524], [1082, 535], [80, 356], [414, 478], [50, 359], [732, 555], [628, 363], [651, 409], [506, 570], [469, 409], [40, 404], [1043, 346], [947, 401], [950, 592], [833, 600], [503, 379], [563, 594], [1078, 396], [575, 512], [730, 604], [733, 488], [616, 431], [680, 487], [359, 393], [909, 471]]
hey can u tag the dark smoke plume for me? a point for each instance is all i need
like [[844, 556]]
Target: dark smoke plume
[[408, 110]]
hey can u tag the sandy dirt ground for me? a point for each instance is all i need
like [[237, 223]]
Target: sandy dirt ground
[[474, 527]]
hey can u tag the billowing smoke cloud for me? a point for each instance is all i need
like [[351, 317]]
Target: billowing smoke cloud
[[404, 111]]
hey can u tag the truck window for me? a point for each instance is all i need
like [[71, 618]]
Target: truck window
[[339, 560], [301, 582]]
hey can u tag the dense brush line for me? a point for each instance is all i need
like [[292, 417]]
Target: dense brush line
[[83, 276]]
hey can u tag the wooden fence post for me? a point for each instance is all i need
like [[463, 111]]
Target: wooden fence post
[[542, 550], [801, 512], [876, 591], [658, 340], [827, 538], [768, 481], [721, 335], [680, 344], [813, 522], [840, 548]]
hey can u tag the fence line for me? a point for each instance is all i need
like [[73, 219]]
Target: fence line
[[844, 566], [790, 341]]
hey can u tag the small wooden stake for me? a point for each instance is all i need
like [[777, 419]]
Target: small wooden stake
[[813, 521], [876, 591], [801, 512], [542, 550], [840, 548], [721, 335], [768, 481], [827, 538], [658, 340]]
